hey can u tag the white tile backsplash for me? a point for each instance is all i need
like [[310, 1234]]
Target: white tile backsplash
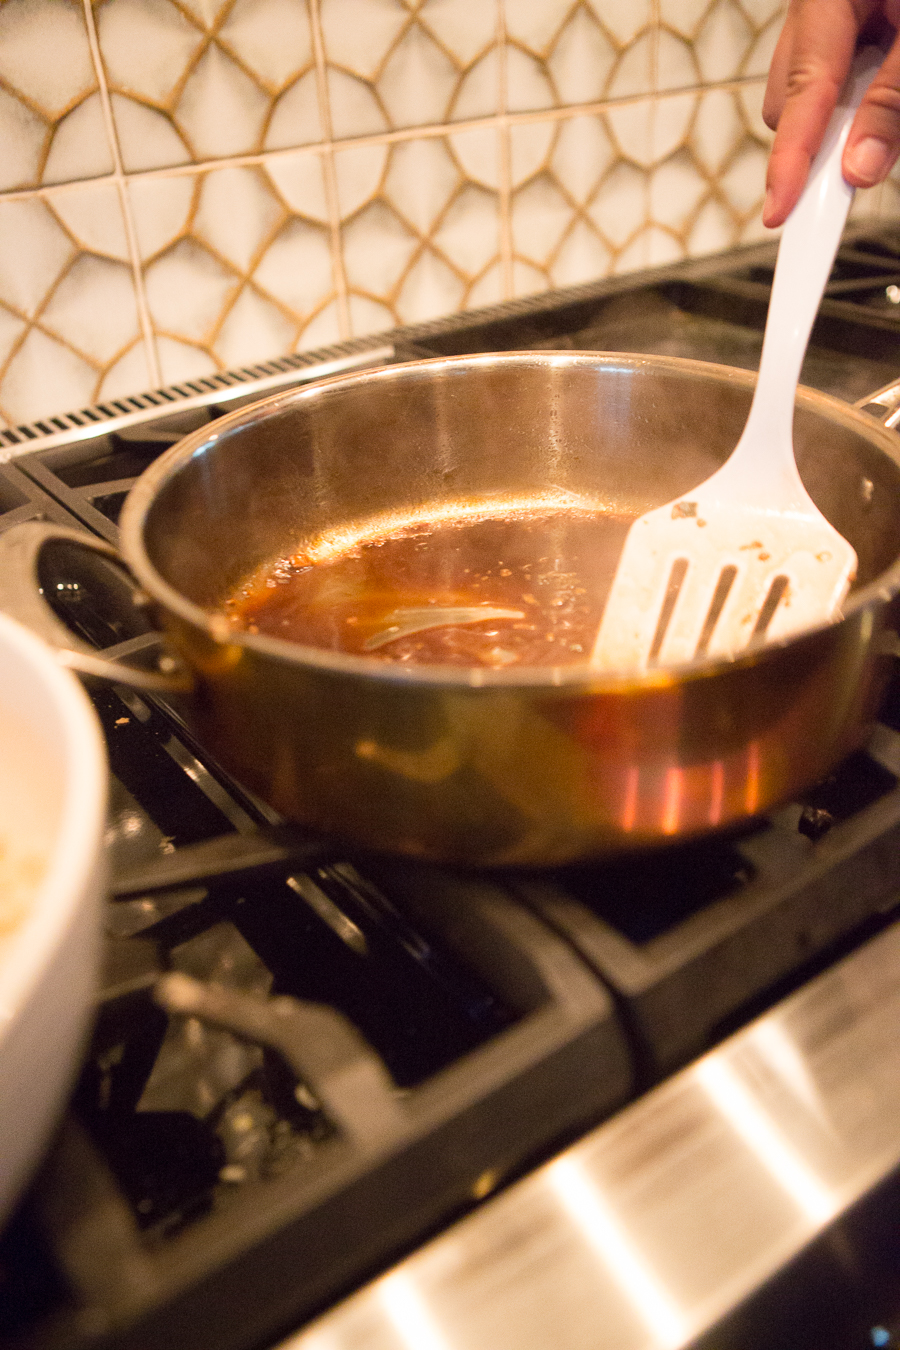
[[233, 264], [420, 225], [237, 216], [69, 321], [188, 185], [392, 65], [80, 146], [227, 79]]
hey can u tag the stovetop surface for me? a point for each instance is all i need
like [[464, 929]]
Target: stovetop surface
[[239, 1184]]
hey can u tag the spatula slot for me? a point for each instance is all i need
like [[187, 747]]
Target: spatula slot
[[717, 604], [670, 599], [774, 598]]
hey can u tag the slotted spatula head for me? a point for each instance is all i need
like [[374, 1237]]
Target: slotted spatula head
[[705, 577], [747, 556]]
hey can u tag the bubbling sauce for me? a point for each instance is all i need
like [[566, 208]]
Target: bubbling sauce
[[540, 577]]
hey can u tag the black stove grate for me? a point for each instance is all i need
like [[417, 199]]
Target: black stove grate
[[216, 1181]]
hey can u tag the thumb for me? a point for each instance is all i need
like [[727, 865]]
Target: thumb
[[874, 140]]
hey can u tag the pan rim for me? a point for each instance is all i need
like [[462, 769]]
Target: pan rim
[[572, 676]]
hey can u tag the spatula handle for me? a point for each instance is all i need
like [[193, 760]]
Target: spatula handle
[[806, 252], [811, 236]]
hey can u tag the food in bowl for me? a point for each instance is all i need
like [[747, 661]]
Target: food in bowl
[[52, 821], [21, 870]]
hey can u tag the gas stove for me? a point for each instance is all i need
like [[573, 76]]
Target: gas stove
[[309, 1067]]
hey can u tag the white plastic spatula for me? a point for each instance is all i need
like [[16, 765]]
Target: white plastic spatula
[[747, 554]]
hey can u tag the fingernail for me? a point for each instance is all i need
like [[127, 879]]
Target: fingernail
[[869, 159], [768, 206]]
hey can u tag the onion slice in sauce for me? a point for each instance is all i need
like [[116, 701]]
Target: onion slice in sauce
[[402, 622]]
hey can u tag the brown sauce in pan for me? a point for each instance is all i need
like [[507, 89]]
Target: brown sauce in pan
[[549, 571]]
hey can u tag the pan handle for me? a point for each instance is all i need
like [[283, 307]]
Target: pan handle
[[22, 598], [883, 404]]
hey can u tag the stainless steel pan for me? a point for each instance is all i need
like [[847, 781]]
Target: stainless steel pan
[[511, 766]]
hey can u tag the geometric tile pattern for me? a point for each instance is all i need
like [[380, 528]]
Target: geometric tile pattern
[[565, 52], [69, 328], [236, 263], [643, 184], [207, 79], [403, 63], [51, 128], [190, 185], [420, 227]]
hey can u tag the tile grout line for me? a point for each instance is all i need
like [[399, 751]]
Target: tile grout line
[[503, 134], [326, 147], [118, 177], [429, 132], [655, 26]]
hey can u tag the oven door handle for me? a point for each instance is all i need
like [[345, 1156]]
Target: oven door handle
[[22, 598]]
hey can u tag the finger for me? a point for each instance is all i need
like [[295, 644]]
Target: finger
[[874, 140], [800, 130], [823, 41], [776, 86]]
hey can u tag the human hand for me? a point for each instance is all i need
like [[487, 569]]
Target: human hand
[[808, 71]]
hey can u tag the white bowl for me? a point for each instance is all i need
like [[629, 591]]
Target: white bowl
[[53, 785]]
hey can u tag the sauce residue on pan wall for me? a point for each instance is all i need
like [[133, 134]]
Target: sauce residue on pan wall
[[541, 578]]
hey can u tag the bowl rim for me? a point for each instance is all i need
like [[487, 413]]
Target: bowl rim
[[76, 852]]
